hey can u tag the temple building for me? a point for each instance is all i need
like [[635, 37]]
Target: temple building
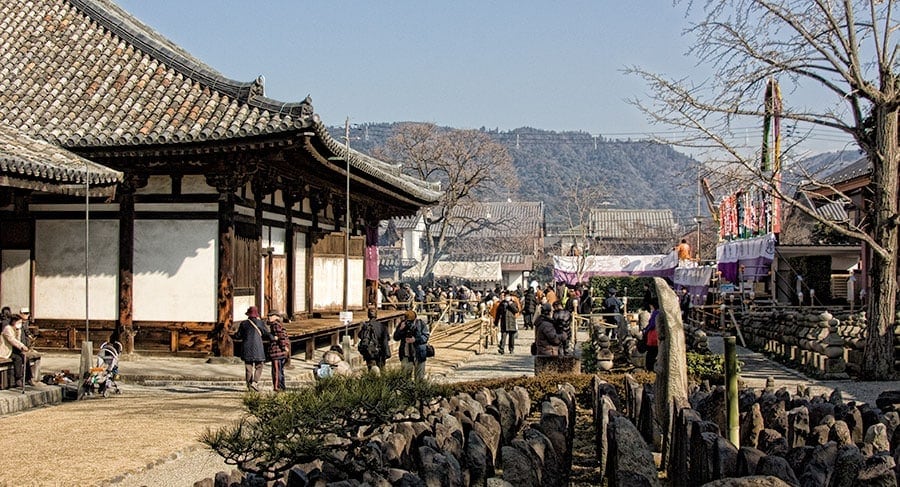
[[204, 197]]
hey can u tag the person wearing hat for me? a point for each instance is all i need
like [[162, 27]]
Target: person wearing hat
[[279, 349], [546, 337], [251, 333], [14, 345], [413, 334]]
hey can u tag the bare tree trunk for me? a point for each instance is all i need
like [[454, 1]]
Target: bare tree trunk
[[879, 353]]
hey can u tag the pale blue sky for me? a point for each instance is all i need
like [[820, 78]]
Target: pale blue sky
[[466, 63]]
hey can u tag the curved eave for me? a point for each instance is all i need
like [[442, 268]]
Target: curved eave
[[423, 192], [30, 163]]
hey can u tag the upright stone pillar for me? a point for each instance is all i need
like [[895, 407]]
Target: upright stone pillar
[[671, 366]]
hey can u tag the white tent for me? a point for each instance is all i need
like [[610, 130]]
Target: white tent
[[465, 271]]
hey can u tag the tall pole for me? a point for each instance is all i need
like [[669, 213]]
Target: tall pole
[[87, 348], [87, 245], [345, 342], [347, 221]]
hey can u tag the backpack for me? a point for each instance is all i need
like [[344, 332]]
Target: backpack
[[323, 371], [368, 342]]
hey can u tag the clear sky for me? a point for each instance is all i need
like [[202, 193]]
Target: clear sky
[[464, 63]]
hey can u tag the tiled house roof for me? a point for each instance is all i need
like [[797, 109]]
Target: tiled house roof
[[512, 219], [860, 168], [86, 74], [632, 224], [30, 163]]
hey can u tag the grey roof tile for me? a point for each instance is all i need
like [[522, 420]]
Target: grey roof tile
[[85, 73], [35, 164]]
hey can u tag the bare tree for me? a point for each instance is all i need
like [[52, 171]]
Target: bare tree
[[470, 166], [578, 198], [842, 51]]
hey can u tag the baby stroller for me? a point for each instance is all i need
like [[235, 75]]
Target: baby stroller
[[105, 372]]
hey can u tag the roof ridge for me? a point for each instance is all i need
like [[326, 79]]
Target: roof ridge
[[127, 27]]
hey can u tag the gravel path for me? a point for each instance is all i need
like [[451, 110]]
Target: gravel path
[[757, 368]]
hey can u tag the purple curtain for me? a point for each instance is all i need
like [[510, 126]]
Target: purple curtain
[[371, 258]]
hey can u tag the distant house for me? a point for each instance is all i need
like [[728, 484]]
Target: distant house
[[621, 232], [509, 235], [804, 237]]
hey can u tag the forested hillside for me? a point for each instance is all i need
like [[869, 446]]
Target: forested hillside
[[625, 174]]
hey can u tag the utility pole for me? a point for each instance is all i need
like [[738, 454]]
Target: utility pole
[[347, 220]]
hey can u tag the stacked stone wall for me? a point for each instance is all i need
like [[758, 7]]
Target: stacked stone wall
[[828, 345], [786, 439], [461, 441]]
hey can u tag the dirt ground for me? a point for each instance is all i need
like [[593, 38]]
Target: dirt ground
[[82, 443]]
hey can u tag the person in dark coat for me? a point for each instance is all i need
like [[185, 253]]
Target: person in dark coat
[[505, 320], [413, 334], [279, 349], [547, 338], [252, 332], [529, 306], [562, 319], [382, 337]]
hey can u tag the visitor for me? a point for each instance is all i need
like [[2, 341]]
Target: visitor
[[412, 333], [252, 333], [651, 337]]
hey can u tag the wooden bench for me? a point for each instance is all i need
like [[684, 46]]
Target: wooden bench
[[7, 375]]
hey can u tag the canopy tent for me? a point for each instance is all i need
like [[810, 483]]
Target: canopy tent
[[755, 255], [565, 268], [695, 280], [464, 271]]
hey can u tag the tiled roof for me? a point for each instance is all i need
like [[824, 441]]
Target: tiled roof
[[833, 211], [86, 74], [30, 163], [860, 168], [517, 218], [632, 224]]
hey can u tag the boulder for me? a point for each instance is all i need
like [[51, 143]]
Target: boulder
[[846, 466], [629, 457]]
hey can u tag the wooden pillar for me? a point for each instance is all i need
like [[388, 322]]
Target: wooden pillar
[[222, 342], [289, 199], [125, 327]]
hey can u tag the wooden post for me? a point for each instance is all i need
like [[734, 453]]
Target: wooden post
[[125, 327], [731, 391], [222, 342]]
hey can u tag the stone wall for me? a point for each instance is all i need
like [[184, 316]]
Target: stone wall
[[464, 440], [786, 439], [828, 345]]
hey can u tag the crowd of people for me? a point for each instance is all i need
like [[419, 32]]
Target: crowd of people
[[549, 310]]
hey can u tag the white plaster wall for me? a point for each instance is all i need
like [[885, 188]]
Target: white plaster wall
[[156, 185], [300, 269], [15, 279], [328, 282], [273, 237], [175, 266], [59, 287], [195, 184], [240, 305]]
